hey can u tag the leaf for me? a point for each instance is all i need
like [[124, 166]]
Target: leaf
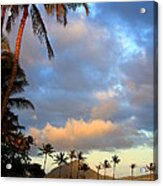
[[20, 103], [39, 29]]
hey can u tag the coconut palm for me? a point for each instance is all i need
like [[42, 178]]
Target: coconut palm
[[151, 168], [132, 167], [60, 159], [39, 29], [98, 167], [84, 167], [72, 156], [46, 150], [115, 160], [80, 158], [106, 165], [10, 124]]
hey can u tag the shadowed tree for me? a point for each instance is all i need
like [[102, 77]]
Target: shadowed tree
[[132, 167], [14, 144], [84, 167], [46, 150], [80, 159], [115, 160], [60, 159], [72, 156], [39, 29], [98, 167], [106, 165], [151, 168]]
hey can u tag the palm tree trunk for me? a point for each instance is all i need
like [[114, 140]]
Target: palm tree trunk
[[60, 171], [71, 169], [132, 174], [114, 171], [151, 175], [45, 160], [98, 174], [2, 18], [104, 173], [16, 60], [78, 170], [84, 174]]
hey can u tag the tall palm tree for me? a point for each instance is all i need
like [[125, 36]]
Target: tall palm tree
[[46, 150], [80, 158], [132, 167], [72, 156], [98, 167], [84, 167], [115, 160], [60, 159], [106, 165], [151, 168], [10, 124], [39, 29]]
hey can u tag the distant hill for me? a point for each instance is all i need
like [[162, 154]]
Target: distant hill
[[90, 174], [65, 173]]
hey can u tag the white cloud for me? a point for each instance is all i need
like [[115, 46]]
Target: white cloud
[[95, 134]]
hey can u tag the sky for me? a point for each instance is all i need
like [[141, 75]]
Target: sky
[[96, 94]]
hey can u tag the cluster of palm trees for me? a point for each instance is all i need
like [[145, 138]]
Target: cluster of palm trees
[[63, 158], [107, 165]]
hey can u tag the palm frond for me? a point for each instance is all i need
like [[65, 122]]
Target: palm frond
[[14, 13], [20, 103], [40, 30], [49, 8]]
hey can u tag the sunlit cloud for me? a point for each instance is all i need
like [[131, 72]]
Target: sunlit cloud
[[90, 135]]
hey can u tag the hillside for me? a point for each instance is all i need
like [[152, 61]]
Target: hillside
[[65, 173]]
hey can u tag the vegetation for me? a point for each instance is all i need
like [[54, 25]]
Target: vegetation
[[60, 159], [98, 167], [84, 167], [72, 156], [115, 160], [80, 159], [132, 166], [15, 145], [46, 150], [151, 168], [106, 165], [39, 29]]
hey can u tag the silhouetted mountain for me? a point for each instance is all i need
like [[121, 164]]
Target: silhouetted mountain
[[65, 172]]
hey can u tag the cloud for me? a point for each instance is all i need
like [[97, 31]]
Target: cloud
[[103, 68], [94, 134], [105, 109]]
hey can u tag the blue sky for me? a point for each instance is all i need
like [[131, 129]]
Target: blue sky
[[102, 73]]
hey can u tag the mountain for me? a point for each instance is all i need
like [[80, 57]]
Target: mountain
[[65, 172]]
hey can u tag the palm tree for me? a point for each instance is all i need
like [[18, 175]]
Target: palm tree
[[80, 158], [151, 168], [10, 123], [106, 165], [84, 167], [98, 167], [39, 29], [115, 160], [132, 166], [46, 150], [60, 159], [14, 144], [72, 155]]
